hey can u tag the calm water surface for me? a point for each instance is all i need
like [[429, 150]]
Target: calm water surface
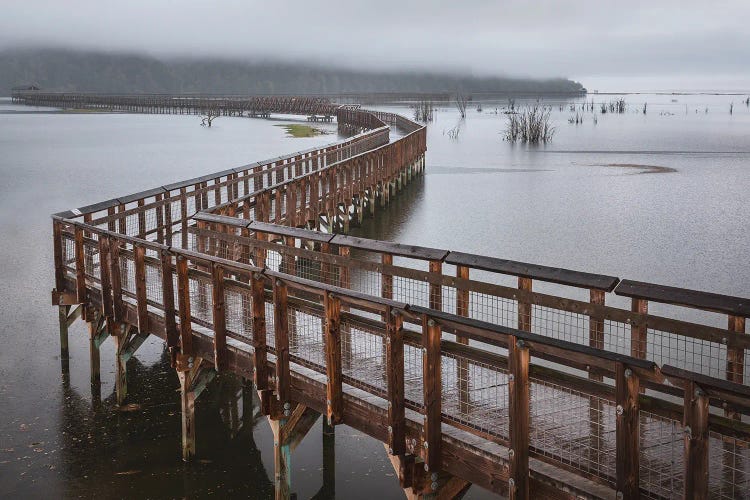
[[569, 203]]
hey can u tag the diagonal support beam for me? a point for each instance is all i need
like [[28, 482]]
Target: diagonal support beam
[[132, 345]]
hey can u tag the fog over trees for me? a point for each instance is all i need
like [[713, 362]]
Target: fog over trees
[[70, 70]]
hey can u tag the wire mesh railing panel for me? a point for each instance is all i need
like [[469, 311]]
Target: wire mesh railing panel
[[573, 428], [154, 286], [493, 309], [363, 355], [91, 260], [201, 300], [411, 291], [696, 355], [270, 337], [69, 252], [559, 324], [239, 312], [127, 273], [728, 467], [475, 395], [616, 337], [661, 456], [306, 344], [365, 281], [413, 374]]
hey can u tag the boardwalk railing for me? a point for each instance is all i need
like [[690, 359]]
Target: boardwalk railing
[[449, 358]]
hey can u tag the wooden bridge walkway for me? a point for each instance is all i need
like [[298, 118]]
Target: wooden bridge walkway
[[526, 380]]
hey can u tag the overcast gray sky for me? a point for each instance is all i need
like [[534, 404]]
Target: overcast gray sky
[[577, 39]]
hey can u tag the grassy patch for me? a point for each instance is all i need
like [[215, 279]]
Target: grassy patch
[[299, 130]]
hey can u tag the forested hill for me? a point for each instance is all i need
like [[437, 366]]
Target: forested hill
[[63, 70]]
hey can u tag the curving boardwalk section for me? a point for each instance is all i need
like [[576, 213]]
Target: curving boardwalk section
[[465, 371]]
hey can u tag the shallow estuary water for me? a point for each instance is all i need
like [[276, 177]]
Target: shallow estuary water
[[580, 202]]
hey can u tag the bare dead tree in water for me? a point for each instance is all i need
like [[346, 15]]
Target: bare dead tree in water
[[461, 103], [209, 116], [423, 111]]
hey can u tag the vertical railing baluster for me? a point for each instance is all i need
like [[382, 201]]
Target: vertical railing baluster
[[80, 266], [639, 330], [334, 388], [627, 433], [518, 397], [281, 337], [395, 382], [432, 392], [219, 318], [695, 421], [115, 275], [260, 365], [104, 277], [170, 320], [183, 297], [524, 306], [58, 243], [140, 287]]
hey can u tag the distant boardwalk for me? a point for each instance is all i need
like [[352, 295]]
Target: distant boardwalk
[[452, 360]]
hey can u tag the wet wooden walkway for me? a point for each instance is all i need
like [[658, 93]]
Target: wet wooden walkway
[[529, 381]]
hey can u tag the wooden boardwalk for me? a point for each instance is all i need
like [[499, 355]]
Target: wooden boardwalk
[[529, 381]]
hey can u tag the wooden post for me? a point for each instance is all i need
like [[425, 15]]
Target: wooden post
[[462, 364], [104, 277], [596, 406], [140, 288], [395, 382], [524, 307], [282, 455], [219, 318], [183, 296], [432, 393], [170, 320], [639, 332], [696, 442], [518, 395], [62, 312], [80, 267], [115, 276], [386, 284], [281, 336], [58, 256], [334, 390], [94, 358], [436, 291], [344, 278], [187, 402], [627, 433], [260, 366], [121, 373], [736, 355], [328, 489]]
